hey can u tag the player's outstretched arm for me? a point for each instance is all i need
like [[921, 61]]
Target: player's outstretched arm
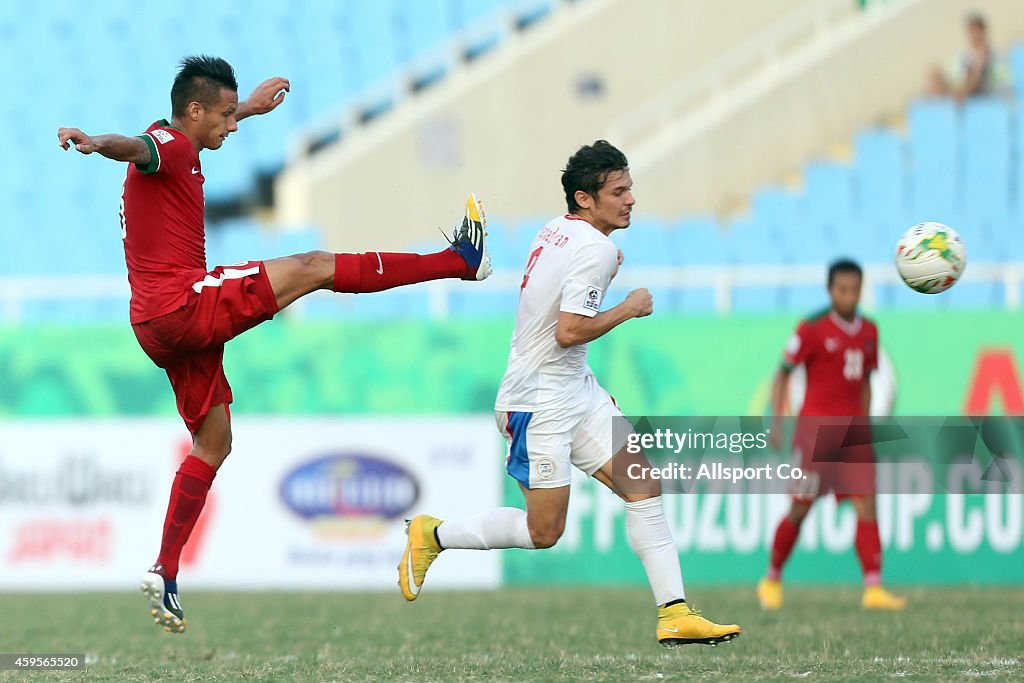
[[574, 329], [264, 98], [112, 146]]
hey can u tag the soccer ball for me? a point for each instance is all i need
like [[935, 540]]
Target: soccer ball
[[930, 257]]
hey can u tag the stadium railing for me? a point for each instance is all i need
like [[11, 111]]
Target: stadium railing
[[443, 299]]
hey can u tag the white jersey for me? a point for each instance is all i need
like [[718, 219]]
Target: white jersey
[[569, 268]]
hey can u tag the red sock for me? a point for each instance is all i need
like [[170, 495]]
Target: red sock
[[785, 539], [375, 271], [869, 550], [188, 494]]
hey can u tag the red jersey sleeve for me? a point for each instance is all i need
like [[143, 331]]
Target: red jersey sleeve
[[169, 151], [798, 347]]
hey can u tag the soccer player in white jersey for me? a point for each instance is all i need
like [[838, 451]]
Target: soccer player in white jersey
[[555, 415]]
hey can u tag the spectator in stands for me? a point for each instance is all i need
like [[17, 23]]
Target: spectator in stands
[[973, 74]]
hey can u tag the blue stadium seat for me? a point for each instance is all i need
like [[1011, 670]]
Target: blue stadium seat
[[699, 241], [482, 23], [935, 158], [776, 207], [528, 12], [426, 37], [294, 240], [328, 57], [228, 171], [828, 191], [235, 241], [522, 236], [751, 242], [879, 176], [646, 242], [378, 53], [1016, 58], [811, 242], [503, 246], [986, 240], [987, 155], [1017, 172]]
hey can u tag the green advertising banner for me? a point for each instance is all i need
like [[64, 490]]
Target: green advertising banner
[[927, 538], [945, 364], [950, 503]]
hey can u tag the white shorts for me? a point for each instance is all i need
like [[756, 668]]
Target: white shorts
[[543, 445]]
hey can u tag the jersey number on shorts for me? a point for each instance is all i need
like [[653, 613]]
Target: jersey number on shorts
[[530, 263], [853, 364]]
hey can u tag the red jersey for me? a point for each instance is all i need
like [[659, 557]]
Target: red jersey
[[162, 210], [839, 356]]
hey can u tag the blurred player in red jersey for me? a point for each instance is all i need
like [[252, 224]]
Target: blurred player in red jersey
[[183, 314], [839, 349]]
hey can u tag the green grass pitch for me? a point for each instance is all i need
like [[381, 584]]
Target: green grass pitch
[[550, 634]]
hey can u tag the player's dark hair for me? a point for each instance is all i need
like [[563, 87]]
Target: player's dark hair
[[588, 170], [844, 265], [200, 80]]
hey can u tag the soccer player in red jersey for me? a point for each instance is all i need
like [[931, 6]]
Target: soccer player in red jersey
[[183, 314], [839, 349]]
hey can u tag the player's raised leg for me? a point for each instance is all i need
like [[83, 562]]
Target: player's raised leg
[[466, 258], [651, 539], [869, 552], [211, 445]]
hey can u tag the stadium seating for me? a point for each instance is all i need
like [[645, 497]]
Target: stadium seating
[[113, 72], [959, 164]]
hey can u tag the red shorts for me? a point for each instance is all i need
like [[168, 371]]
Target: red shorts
[[189, 343], [836, 455]]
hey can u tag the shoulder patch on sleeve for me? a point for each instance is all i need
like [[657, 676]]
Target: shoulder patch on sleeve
[[162, 136], [593, 299]]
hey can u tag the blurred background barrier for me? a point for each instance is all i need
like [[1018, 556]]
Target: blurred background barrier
[[950, 364], [80, 500]]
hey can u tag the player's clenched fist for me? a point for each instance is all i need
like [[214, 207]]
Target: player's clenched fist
[[641, 301], [82, 142]]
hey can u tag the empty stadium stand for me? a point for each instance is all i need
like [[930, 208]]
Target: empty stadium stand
[[962, 165]]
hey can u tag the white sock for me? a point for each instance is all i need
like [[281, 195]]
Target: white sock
[[497, 528], [650, 538]]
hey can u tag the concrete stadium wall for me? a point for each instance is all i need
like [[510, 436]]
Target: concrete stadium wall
[[505, 126]]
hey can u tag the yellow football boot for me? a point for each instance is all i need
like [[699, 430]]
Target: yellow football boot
[[680, 625], [876, 597], [769, 594], [421, 550]]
